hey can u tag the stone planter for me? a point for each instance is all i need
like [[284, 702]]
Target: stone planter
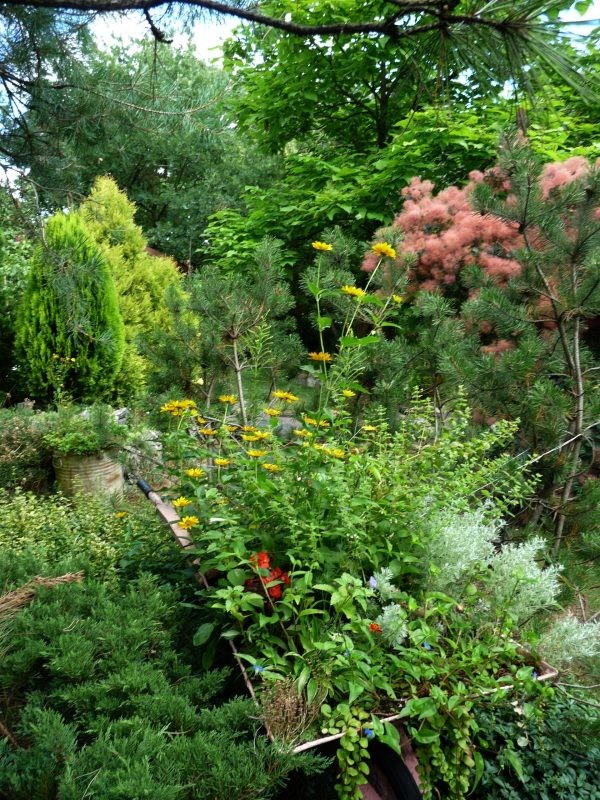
[[91, 474]]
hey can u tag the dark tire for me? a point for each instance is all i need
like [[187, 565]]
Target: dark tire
[[389, 777]]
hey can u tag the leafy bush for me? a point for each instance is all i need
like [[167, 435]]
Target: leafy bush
[[83, 432], [102, 705], [83, 529], [546, 753], [25, 461], [70, 335], [295, 527]]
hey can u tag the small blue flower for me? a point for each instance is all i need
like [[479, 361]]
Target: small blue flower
[[346, 653], [258, 668], [427, 646], [534, 675], [372, 582], [369, 733]]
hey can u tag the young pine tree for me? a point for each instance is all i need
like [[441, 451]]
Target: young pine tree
[[70, 336]]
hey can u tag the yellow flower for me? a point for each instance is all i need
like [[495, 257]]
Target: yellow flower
[[257, 453], [271, 467], [227, 398], [207, 431], [368, 428], [336, 452], [309, 421], [250, 437], [194, 472], [302, 432], [320, 356], [287, 396], [272, 412], [397, 298], [353, 291], [233, 428], [222, 462], [323, 423], [194, 413], [249, 429], [188, 522], [384, 249], [177, 407], [323, 246], [261, 435], [348, 393], [181, 502], [120, 514]]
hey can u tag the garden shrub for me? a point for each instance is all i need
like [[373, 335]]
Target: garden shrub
[[84, 529], [103, 704], [141, 279], [70, 336], [550, 752], [25, 461]]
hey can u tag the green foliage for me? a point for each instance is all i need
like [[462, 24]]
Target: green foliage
[[544, 751], [84, 432], [83, 530], [70, 335], [15, 253], [227, 321], [295, 527], [24, 459], [141, 279], [153, 119], [113, 699]]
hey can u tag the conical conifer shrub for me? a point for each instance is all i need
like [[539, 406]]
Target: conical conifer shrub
[[70, 334]]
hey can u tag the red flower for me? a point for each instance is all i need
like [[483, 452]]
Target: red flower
[[275, 592], [261, 560], [375, 628]]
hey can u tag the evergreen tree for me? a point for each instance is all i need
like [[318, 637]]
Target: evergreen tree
[[70, 335], [141, 279], [518, 251]]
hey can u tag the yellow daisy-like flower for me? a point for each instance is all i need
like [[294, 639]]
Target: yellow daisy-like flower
[[287, 396], [232, 428], [397, 298], [272, 412], [348, 393], [323, 423], [227, 398], [207, 431], [257, 453], [222, 462], [177, 407], [249, 429], [309, 421], [182, 502], [196, 414], [320, 356], [302, 432], [384, 249], [188, 522], [262, 435], [194, 472], [271, 467], [353, 291], [368, 428], [120, 514], [336, 452], [250, 437], [323, 246]]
